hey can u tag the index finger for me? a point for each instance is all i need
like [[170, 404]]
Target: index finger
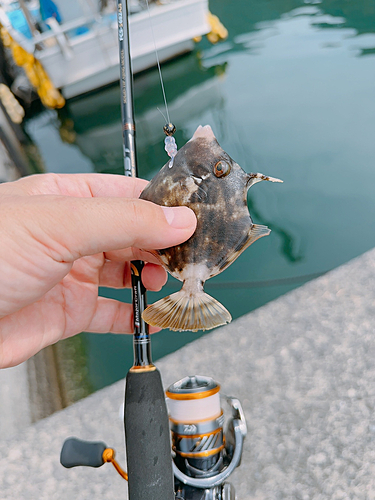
[[129, 254], [80, 185]]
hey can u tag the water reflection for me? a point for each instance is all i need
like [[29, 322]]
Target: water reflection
[[359, 15], [289, 243], [260, 20]]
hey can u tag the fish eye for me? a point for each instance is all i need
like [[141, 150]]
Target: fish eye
[[221, 169]]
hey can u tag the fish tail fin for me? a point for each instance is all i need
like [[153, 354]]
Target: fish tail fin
[[183, 311]]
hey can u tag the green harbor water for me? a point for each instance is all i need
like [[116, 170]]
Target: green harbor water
[[291, 94]]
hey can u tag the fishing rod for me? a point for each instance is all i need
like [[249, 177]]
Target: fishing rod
[[204, 456], [146, 418]]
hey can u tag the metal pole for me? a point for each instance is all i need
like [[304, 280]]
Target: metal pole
[[28, 18]]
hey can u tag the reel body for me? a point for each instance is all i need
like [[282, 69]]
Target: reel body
[[204, 455]]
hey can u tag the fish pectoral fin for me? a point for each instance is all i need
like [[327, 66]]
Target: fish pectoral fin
[[183, 311], [201, 193], [196, 179]]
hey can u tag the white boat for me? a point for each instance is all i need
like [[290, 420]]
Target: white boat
[[81, 54]]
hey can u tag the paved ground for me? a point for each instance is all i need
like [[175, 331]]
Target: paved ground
[[14, 401], [304, 368]]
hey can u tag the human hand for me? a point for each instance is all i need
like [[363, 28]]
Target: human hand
[[63, 236]]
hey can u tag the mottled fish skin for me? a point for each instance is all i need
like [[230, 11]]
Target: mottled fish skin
[[224, 226], [220, 204]]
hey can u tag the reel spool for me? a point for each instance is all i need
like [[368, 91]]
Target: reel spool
[[204, 455], [196, 421]]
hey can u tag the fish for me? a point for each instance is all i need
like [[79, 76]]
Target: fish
[[206, 179]]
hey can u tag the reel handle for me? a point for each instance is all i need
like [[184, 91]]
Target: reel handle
[[76, 452]]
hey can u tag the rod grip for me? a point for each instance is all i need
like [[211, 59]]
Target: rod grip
[[147, 436]]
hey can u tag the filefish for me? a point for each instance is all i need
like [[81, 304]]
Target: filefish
[[206, 179]]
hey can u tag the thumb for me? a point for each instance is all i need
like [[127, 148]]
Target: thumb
[[76, 227]]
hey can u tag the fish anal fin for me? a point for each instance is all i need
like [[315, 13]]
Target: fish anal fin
[[257, 231], [183, 311]]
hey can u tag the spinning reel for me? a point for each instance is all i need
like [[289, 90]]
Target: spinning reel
[[204, 455]]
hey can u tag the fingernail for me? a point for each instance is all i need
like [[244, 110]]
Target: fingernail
[[178, 217]]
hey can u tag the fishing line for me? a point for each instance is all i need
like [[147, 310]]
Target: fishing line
[[170, 145], [162, 114], [293, 280], [158, 63]]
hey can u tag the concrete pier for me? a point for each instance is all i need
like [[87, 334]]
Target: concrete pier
[[13, 162], [303, 367]]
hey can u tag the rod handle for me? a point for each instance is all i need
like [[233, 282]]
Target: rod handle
[[76, 452], [147, 435]]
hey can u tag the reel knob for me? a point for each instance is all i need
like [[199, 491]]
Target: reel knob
[[76, 452]]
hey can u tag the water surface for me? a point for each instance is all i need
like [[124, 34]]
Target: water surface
[[290, 93]]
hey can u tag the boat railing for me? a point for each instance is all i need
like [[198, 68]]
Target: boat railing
[[63, 28], [57, 32]]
